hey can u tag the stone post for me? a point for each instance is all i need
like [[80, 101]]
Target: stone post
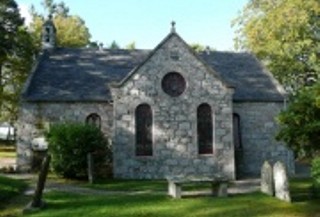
[[37, 199], [90, 168]]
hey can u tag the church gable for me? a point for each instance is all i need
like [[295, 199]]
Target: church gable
[[171, 55], [173, 114]]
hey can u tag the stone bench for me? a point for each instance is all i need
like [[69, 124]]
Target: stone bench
[[219, 187]]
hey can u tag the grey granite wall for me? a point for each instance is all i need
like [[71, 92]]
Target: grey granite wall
[[35, 117], [175, 150], [258, 129]]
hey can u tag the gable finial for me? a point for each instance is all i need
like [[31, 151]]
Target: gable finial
[[173, 27]]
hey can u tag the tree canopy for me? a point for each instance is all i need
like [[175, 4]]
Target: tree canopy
[[114, 45], [300, 123], [16, 53], [285, 34], [71, 29]]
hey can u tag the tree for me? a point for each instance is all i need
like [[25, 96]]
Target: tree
[[131, 46], [10, 21], [197, 47], [300, 122], [114, 45], [71, 30], [285, 35], [15, 71]]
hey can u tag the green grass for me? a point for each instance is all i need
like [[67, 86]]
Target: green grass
[[142, 185], [7, 154], [250, 205], [11, 199], [129, 185], [7, 151], [155, 205]]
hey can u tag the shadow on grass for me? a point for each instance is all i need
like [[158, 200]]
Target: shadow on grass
[[250, 205]]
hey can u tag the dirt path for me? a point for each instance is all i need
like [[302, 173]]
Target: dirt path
[[7, 162], [236, 187]]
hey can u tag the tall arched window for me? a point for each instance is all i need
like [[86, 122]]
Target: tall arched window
[[94, 120], [143, 120], [205, 129], [236, 132]]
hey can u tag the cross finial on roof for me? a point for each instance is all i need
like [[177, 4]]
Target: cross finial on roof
[[173, 26]]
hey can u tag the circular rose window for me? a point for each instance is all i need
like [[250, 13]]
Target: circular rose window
[[173, 84]]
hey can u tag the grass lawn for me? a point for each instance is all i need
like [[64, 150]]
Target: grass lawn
[[250, 205], [149, 205], [7, 151], [11, 200]]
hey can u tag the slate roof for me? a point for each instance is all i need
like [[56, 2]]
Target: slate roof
[[70, 74]]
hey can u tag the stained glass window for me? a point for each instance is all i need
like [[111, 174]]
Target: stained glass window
[[143, 122], [205, 129], [173, 84]]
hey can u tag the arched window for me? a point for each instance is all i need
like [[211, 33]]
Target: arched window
[[205, 129], [237, 132], [94, 120], [143, 120]]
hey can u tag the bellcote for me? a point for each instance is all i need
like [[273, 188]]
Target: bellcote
[[48, 39]]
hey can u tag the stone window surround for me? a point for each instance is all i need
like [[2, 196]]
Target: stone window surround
[[212, 138], [165, 80], [152, 130], [95, 115], [195, 131], [131, 112], [178, 70], [194, 142]]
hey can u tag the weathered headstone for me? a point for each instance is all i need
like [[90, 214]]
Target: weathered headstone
[[281, 183], [267, 185], [37, 199]]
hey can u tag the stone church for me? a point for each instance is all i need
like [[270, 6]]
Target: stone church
[[167, 111]]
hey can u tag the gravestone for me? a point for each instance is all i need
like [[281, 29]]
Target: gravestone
[[267, 185], [281, 183]]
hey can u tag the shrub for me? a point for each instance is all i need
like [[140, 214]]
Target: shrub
[[69, 144], [315, 172]]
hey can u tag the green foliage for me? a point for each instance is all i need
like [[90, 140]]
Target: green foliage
[[315, 173], [285, 35], [131, 46], [300, 122], [16, 52], [15, 72], [114, 45], [69, 144], [9, 24], [197, 47]]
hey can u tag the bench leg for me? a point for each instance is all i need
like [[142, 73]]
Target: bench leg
[[174, 190], [223, 189]]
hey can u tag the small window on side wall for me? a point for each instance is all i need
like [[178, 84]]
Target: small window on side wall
[[237, 132], [205, 129], [94, 120]]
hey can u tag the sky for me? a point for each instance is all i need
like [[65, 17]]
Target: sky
[[147, 22]]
